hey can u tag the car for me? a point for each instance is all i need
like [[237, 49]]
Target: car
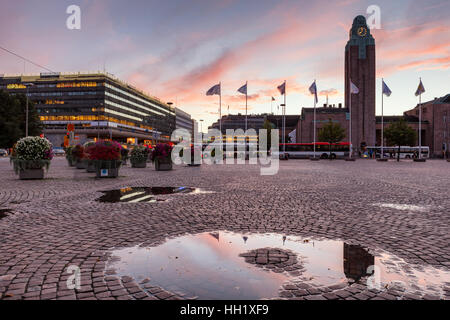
[[59, 152], [3, 153]]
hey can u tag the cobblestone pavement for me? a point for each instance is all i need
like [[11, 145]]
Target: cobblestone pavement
[[55, 223]]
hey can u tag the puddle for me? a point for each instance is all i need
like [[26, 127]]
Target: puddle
[[225, 265], [142, 194], [406, 207], [4, 213]]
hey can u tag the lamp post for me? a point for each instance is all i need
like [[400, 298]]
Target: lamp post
[[27, 85]]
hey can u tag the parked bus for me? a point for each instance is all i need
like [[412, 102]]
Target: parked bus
[[405, 152], [323, 150]]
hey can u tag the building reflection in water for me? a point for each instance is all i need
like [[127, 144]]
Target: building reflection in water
[[356, 261]]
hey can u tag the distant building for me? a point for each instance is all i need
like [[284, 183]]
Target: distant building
[[435, 127], [183, 120], [256, 122], [98, 104], [305, 125], [360, 68]]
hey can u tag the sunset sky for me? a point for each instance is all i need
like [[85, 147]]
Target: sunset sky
[[177, 49]]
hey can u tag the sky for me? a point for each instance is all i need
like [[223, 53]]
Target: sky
[[177, 49]]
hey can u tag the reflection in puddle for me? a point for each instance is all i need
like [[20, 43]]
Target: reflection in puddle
[[225, 265], [3, 213], [406, 207], [142, 194]]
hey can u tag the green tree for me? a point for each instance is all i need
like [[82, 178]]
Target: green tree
[[12, 119], [331, 133], [400, 134]]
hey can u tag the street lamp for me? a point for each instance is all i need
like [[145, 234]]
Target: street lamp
[[27, 85]]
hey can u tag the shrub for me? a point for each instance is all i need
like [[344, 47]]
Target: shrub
[[105, 150], [161, 151], [78, 152], [68, 151], [32, 153], [139, 154]]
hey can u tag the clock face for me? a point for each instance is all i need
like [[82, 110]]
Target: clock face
[[362, 32]]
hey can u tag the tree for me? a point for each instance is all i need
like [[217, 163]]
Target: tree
[[400, 134], [12, 119], [331, 133]]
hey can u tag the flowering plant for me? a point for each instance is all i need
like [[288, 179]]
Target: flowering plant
[[88, 146], [105, 150], [68, 151], [78, 152], [32, 153], [161, 151], [139, 153]]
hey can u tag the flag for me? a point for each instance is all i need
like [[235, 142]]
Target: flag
[[214, 90], [282, 88], [420, 89], [243, 89], [353, 89], [313, 90], [273, 99], [386, 90]]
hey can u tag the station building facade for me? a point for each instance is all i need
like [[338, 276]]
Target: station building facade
[[97, 104]]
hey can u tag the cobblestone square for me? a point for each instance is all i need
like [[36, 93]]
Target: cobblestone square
[[48, 225]]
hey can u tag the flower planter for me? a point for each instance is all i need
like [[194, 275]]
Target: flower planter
[[82, 164], [107, 169], [31, 174], [163, 164], [91, 167], [137, 164], [71, 162]]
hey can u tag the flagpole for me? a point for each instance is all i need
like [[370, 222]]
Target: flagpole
[[315, 102], [420, 122], [284, 119], [350, 111], [220, 109], [382, 119], [246, 95]]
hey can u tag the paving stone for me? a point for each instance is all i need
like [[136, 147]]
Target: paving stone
[[43, 237]]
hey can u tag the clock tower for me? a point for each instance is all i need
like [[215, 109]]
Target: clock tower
[[360, 68]]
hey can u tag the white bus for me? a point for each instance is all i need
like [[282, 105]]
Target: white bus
[[306, 150], [405, 152]]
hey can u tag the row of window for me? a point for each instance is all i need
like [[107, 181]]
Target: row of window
[[86, 84], [94, 118], [165, 110], [59, 94]]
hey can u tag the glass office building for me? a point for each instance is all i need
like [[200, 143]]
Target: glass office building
[[97, 104]]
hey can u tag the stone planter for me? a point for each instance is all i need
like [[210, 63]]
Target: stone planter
[[81, 164], [107, 169], [91, 167], [107, 173], [163, 165], [31, 174], [71, 162], [138, 164]]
